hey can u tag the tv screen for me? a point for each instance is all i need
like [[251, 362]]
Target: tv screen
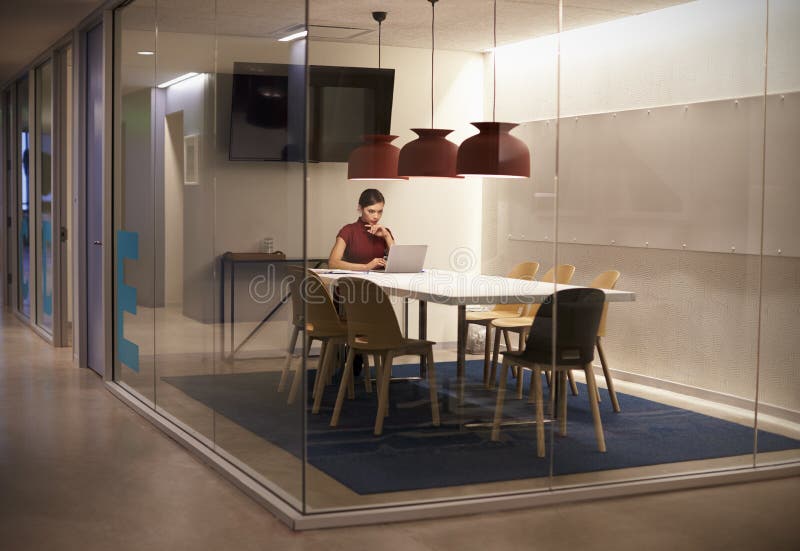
[[268, 104]]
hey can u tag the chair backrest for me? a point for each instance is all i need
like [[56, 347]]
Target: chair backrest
[[523, 270], [371, 321], [559, 274], [320, 311], [605, 280], [578, 313]]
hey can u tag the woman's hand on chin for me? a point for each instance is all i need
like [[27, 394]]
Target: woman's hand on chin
[[376, 230]]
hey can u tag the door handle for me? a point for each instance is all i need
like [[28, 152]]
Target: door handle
[[97, 243]]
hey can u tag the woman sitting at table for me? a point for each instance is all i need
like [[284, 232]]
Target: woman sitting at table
[[363, 244]]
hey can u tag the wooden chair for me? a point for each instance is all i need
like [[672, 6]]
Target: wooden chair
[[313, 311], [524, 270], [372, 328], [560, 274], [606, 280], [578, 313]]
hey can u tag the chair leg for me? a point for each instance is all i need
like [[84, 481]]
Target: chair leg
[[531, 388], [433, 391], [367, 374], [495, 354], [487, 352], [520, 379], [561, 384], [598, 425], [507, 339], [318, 380], [537, 388], [572, 386], [290, 352], [298, 378], [326, 360], [351, 384], [348, 373], [514, 368], [607, 374], [376, 360], [383, 394], [498, 408]]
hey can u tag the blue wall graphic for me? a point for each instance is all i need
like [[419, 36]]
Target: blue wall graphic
[[127, 247]]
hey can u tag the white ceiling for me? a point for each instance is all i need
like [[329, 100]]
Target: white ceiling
[[27, 27], [460, 24]]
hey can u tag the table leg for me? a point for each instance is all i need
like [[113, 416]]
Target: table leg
[[423, 334], [461, 347], [405, 317], [222, 305], [233, 310]]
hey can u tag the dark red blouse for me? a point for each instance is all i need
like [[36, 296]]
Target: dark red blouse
[[361, 246]]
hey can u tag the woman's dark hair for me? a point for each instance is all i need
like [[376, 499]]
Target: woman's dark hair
[[370, 197]]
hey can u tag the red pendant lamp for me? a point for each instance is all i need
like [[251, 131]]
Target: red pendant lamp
[[376, 158], [430, 155], [493, 152]]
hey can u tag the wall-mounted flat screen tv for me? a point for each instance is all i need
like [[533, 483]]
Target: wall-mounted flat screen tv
[[268, 107]]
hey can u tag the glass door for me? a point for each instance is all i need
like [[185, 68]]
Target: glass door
[[44, 196], [23, 202]]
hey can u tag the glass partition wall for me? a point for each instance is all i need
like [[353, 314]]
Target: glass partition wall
[[201, 332], [23, 163], [660, 168], [778, 376], [35, 133], [44, 196]]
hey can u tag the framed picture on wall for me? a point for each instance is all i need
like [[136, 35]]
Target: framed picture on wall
[[191, 153]]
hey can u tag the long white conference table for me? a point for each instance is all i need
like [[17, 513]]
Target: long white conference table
[[461, 289]]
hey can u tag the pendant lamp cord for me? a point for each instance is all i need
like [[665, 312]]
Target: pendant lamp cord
[[494, 60], [433, 47], [379, 44]]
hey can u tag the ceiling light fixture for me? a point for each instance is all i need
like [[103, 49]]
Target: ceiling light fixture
[[376, 158], [176, 80], [430, 155], [493, 152], [294, 36], [146, 52]]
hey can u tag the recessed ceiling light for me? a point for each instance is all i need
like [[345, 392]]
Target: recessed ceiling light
[[145, 52], [293, 36], [176, 80]]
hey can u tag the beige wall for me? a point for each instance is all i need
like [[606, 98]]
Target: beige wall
[[256, 200]]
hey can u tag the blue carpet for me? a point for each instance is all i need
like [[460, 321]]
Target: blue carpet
[[412, 454]]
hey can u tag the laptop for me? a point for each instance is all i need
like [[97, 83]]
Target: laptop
[[405, 259]]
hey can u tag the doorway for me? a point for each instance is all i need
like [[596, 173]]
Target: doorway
[[173, 206], [94, 109]]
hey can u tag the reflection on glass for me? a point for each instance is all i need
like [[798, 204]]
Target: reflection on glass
[[44, 242], [779, 378], [24, 215], [656, 179], [135, 291]]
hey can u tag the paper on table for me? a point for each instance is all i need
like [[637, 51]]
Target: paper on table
[[340, 271]]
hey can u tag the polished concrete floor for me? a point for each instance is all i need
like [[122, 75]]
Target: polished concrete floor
[[79, 470]]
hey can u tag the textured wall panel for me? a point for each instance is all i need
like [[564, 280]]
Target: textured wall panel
[[695, 319], [679, 177]]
